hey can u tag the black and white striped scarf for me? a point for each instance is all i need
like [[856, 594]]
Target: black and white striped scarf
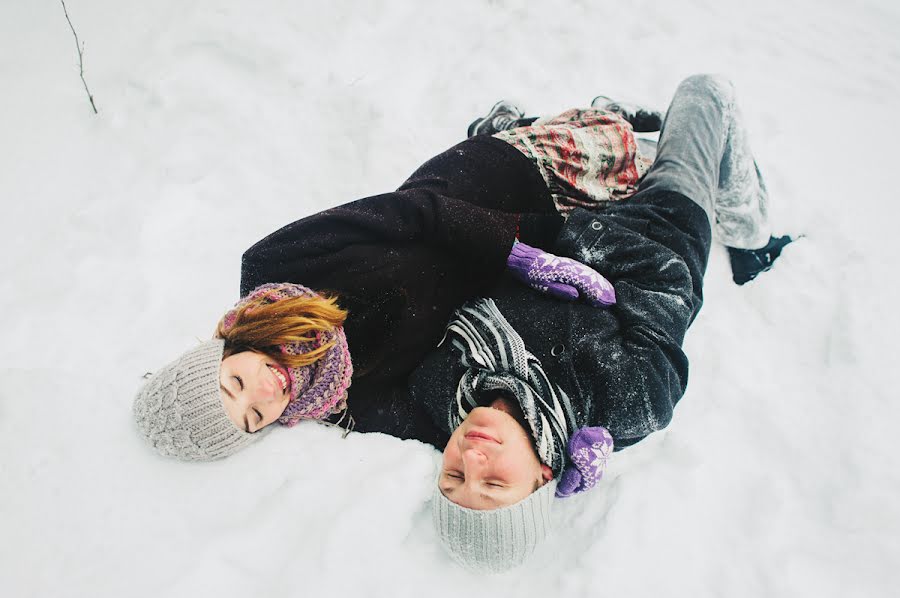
[[497, 360]]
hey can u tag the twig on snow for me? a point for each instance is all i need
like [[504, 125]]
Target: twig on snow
[[80, 47]]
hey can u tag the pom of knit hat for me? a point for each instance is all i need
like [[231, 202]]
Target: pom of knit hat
[[497, 540], [179, 410]]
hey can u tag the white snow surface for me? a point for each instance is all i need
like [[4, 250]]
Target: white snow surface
[[222, 120]]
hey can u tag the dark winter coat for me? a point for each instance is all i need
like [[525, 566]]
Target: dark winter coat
[[623, 367], [402, 262]]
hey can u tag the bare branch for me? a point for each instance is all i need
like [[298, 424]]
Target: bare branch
[[79, 45]]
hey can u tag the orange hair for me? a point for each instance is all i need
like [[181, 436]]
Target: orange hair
[[263, 326]]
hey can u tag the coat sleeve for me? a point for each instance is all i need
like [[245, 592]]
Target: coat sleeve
[[630, 361], [310, 249]]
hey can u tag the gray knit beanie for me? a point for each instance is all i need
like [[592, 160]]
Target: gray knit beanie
[[497, 540], [179, 410]]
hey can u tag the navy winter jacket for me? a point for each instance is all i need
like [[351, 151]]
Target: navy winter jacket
[[622, 367]]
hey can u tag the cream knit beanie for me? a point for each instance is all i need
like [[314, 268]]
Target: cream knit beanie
[[179, 410], [496, 540]]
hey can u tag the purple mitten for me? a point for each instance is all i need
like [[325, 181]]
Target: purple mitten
[[588, 450], [561, 277]]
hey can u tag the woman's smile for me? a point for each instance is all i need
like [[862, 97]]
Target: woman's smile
[[281, 377]]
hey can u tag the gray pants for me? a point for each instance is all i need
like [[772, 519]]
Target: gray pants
[[703, 153]]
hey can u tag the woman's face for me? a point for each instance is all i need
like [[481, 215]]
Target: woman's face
[[489, 461], [255, 389]]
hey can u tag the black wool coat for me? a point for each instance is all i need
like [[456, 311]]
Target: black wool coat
[[622, 367], [401, 262]]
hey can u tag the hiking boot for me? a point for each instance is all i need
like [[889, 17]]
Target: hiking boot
[[504, 115], [747, 264], [642, 120]]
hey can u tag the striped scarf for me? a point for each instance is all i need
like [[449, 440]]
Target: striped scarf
[[497, 360]]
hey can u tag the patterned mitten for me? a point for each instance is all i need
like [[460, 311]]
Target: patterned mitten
[[561, 277], [588, 450]]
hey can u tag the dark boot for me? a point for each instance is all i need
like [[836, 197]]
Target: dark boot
[[642, 119], [504, 115], [747, 264]]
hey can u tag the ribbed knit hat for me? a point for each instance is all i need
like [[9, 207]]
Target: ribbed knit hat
[[496, 540], [179, 410]]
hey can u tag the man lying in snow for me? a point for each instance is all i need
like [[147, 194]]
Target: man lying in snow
[[528, 395]]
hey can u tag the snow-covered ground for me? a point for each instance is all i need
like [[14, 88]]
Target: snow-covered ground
[[221, 120]]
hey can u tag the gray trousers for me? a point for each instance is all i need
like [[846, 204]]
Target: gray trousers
[[703, 153]]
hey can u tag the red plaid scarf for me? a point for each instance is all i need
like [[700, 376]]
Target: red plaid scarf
[[585, 156]]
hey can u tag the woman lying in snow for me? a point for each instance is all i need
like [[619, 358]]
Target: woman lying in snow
[[388, 272], [524, 389]]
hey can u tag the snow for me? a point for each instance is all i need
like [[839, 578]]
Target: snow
[[223, 120]]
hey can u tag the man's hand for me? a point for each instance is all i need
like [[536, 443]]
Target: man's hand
[[588, 449], [560, 277]]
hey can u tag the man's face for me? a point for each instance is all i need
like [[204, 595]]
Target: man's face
[[490, 462]]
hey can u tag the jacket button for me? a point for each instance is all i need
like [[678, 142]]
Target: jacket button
[[596, 225], [557, 350]]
